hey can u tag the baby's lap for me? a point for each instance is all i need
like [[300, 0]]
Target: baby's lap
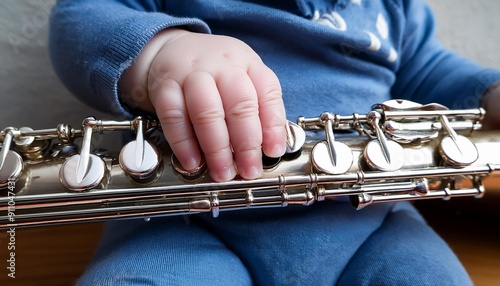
[[170, 251], [404, 251], [335, 222], [259, 245]]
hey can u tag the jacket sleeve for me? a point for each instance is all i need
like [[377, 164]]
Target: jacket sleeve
[[430, 73], [92, 42]]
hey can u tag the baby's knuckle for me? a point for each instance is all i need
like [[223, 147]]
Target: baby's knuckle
[[249, 145], [243, 108], [178, 142], [171, 116], [219, 151], [272, 96], [208, 116]]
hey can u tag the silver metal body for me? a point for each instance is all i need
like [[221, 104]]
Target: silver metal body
[[59, 184]]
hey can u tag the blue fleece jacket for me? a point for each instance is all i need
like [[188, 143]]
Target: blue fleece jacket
[[338, 56]]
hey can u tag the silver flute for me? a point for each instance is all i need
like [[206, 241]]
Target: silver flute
[[400, 150]]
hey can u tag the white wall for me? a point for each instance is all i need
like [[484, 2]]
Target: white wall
[[31, 95]]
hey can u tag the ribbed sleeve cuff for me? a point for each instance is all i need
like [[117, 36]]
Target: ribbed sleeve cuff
[[123, 48]]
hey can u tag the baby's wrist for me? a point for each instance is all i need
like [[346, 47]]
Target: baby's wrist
[[133, 83], [491, 104]]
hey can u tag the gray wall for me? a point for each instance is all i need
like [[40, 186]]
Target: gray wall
[[471, 28], [31, 95]]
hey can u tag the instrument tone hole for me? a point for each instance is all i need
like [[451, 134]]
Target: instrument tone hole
[[362, 164], [292, 156], [149, 178], [270, 163], [190, 176]]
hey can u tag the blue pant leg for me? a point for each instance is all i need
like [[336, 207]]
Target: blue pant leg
[[298, 245], [166, 251], [404, 251]]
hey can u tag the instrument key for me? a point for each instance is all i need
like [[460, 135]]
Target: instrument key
[[295, 137], [455, 149], [140, 159], [84, 171], [330, 156], [11, 163], [381, 153]]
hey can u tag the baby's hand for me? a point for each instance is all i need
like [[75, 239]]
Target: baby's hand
[[214, 93], [491, 103]]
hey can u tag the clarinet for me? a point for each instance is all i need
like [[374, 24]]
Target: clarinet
[[400, 150]]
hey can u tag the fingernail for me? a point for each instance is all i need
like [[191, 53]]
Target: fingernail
[[191, 163], [277, 151], [251, 173], [225, 174]]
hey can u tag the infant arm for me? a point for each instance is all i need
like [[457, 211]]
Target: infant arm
[[212, 93]]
